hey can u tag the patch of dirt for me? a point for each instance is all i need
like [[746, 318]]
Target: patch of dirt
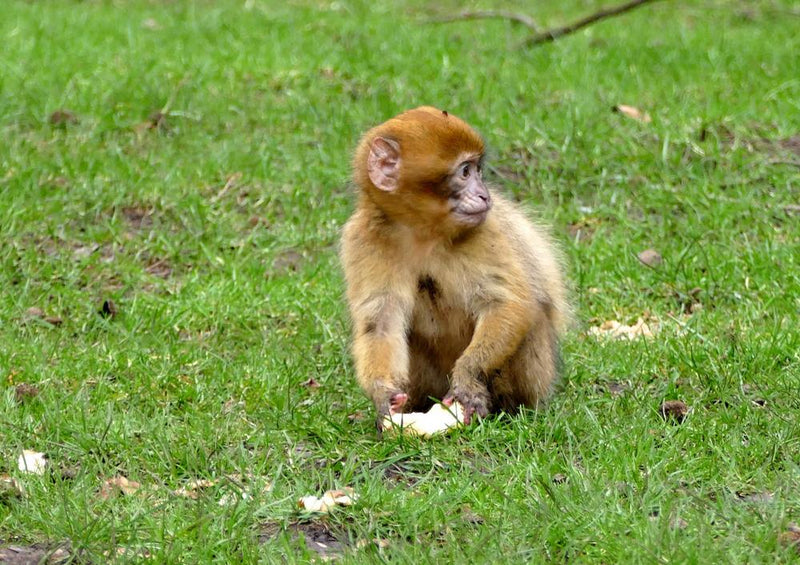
[[791, 537], [317, 536], [397, 474], [10, 489], [160, 268], [54, 181], [35, 313], [140, 218], [288, 260], [38, 553], [76, 250], [674, 411], [155, 121], [62, 118], [258, 221], [24, 392], [756, 497], [582, 230], [759, 142], [616, 389], [790, 144]]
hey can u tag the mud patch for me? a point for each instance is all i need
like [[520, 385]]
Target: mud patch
[[158, 267], [63, 118], [38, 553], [139, 218], [58, 247], [399, 475], [582, 230], [289, 260], [759, 142], [317, 536]]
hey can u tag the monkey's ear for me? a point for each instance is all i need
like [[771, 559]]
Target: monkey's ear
[[383, 163]]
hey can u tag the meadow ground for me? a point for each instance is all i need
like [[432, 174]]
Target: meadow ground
[[185, 164]]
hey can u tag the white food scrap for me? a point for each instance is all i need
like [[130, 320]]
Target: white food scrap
[[438, 419], [616, 330], [339, 497], [32, 462]]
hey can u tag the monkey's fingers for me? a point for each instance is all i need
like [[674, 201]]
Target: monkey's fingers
[[390, 405], [472, 403], [397, 401]]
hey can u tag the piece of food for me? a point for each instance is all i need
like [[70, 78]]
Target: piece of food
[[32, 462], [438, 419], [340, 497], [615, 330]]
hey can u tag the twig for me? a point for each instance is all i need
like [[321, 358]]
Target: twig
[[555, 33], [490, 14]]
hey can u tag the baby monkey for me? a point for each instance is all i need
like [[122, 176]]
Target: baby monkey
[[453, 293]]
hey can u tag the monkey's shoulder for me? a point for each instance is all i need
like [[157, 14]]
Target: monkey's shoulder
[[366, 234]]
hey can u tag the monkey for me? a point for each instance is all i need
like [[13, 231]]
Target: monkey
[[454, 295]]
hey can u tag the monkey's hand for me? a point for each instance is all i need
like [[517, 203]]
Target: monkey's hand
[[472, 395], [391, 403]]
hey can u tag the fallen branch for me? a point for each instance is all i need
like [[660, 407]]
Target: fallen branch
[[490, 14], [553, 34]]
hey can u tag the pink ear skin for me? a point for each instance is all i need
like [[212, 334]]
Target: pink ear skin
[[383, 164]]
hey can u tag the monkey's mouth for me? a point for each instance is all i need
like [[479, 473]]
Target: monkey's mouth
[[472, 218]]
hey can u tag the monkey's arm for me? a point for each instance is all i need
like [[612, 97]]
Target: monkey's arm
[[498, 333], [381, 301], [505, 312], [380, 349]]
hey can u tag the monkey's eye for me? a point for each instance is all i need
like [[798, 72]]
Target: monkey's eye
[[464, 171]]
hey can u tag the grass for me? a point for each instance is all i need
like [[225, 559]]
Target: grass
[[214, 233]]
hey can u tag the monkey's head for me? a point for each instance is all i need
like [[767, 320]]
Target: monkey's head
[[423, 168]]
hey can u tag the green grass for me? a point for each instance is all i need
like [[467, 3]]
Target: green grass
[[230, 298]]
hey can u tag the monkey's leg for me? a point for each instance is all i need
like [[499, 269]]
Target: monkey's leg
[[528, 377]]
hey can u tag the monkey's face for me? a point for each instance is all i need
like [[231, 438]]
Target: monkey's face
[[469, 199]]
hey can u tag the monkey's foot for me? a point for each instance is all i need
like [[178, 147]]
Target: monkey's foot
[[438, 419]]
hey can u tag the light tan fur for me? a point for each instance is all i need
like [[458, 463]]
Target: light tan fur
[[437, 310]]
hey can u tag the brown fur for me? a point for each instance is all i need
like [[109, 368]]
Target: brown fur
[[441, 310]]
